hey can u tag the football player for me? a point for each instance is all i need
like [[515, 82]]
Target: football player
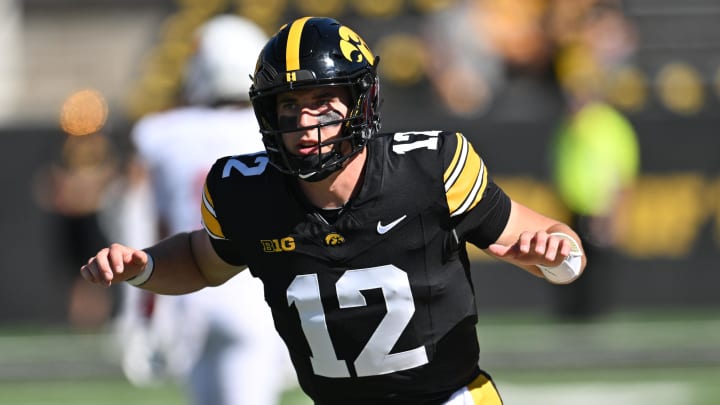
[[358, 236]]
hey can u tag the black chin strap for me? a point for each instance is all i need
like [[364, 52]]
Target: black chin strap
[[307, 163]]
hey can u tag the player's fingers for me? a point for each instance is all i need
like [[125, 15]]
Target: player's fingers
[[101, 267], [500, 250], [87, 273], [551, 248], [116, 258], [541, 240], [138, 257], [525, 242], [92, 271], [565, 247]]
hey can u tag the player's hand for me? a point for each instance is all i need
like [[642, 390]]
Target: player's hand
[[533, 248], [114, 263]]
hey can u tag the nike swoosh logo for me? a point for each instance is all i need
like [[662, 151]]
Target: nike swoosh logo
[[382, 229]]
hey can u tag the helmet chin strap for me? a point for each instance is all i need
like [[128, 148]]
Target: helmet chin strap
[[315, 161]]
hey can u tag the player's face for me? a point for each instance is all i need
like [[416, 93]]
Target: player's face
[[305, 109]]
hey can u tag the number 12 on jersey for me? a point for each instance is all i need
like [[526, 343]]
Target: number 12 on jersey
[[375, 357]]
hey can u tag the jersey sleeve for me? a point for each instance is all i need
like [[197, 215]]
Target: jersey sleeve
[[478, 207], [209, 216], [212, 220]]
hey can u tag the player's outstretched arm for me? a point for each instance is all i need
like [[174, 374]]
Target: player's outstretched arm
[[180, 264], [531, 239]]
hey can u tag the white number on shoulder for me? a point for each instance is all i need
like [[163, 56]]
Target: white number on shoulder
[[375, 357], [258, 166], [405, 143]]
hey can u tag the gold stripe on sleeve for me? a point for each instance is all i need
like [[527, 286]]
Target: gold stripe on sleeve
[[468, 180], [451, 171], [209, 220], [482, 185], [292, 51]]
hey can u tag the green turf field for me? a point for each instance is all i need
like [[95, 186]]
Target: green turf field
[[666, 359]]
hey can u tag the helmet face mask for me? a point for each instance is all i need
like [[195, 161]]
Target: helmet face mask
[[311, 53]]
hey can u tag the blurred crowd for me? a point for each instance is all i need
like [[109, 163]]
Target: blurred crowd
[[468, 51], [479, 46]]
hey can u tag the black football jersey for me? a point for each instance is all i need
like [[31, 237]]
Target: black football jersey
[[376, 306]]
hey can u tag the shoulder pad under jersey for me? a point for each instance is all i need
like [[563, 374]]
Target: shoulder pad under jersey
[[226, 176]]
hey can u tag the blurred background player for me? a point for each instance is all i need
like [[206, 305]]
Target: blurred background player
[[221, 341]]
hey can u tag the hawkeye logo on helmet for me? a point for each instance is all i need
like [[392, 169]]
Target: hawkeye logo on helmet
[[353, 47]]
